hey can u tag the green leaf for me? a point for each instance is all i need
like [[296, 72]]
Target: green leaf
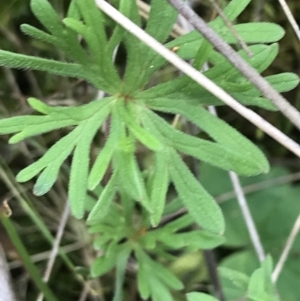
[[199, 203], [143, 283], [200, 297], [59, 151], [238, 279], [68, 40], [252, 33], [263, 56], [159, 291], [46, 179], [220, 155], [83, 30], [179, 223], [161, 19], [232, 10], [73, 10], [93, 18], [194, 240], [39, 35], [106, 262], [80, 163], [202, 55], [100, 210], [47, 16], [159, 189], [130, 176], [39, 106], [158, 279], [105, 156], [218, 130], [260, 286], [130, 119], [283, 82], [20, 61], [120, 273]]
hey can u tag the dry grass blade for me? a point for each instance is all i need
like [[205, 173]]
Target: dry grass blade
[[286, 250], [55, 249], [247, 216], [241, 42], [199, 78], [290, 17], [240, 195]]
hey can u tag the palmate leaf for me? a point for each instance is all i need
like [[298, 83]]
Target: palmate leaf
[[229, 79], [101, 74], [254, 162], [188, 44], [93, 19], [80, 139], [222, 73], [221, 154], [51, 21], [161, 19], [232, 11]]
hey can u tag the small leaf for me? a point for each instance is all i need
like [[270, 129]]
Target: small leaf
[[260, 286], [78, 179], [39, 106], [140, 133], [218, 130], [101, 164], [143, 283], [219, 155], [46, 179], [130, 177], [200, 297], [199, 203], [47, 16], [159, 188], [120, 273], [239, 280], [20, 61], [179, 223], [39, 35], [106, 262], [264, 33], [283, 82], [44, 127], [232, 10], [61, 149], [80, 163], [101, 208]]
